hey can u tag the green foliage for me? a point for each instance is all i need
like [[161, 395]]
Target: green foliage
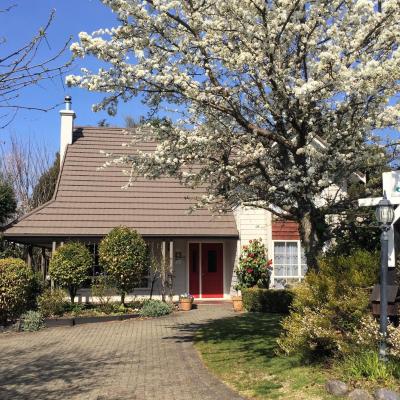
[[32, 321], [10, 250], [124, 256], [16, 283], [52, 303], [103, 290], [366, 365], [155, 308], [254, 269], [329, 305], [357, 227], [74, 309], [8, 202], [267, 300], [70, 265], [44, 189]]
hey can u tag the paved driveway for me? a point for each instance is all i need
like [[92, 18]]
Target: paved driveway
[[134, 359]]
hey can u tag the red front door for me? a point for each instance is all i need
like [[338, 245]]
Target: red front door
[[212, 284]]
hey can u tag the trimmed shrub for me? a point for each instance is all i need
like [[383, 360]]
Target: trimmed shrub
[[70, 265], [155, 308], [32, 321], [329, 306], [254, 269], [267, 300], [52, 303], [124, 256], [16, 286]]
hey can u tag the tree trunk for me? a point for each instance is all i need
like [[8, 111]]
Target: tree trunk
[[123, 298], [72, 293], [311, 231]]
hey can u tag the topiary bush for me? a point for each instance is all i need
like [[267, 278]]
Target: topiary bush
[[155, 308], [69, 266], [254, 269], [125, 258], [32, 321], [52, 303], [16, 286], [328, 306], [267, 300]]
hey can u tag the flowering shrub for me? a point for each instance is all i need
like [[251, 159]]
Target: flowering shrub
[[367, 336], [254, 268], [328, 306], [186, 296]]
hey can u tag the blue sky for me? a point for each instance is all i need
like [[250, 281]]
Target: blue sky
[[72, 16]]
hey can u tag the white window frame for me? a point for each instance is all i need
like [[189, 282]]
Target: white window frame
[[299, 275]]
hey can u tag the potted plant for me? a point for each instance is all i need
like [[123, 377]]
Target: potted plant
[[237, 300], [185, 302], [254, 270]]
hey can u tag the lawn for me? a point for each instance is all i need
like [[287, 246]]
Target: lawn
[[241, 352]]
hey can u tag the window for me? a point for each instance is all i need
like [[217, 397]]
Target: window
[[289, 260], [212, 261]]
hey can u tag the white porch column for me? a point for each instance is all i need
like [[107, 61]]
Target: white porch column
[[163, 268], [171, 270]]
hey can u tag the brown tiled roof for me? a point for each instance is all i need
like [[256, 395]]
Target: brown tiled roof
[[90, 202]]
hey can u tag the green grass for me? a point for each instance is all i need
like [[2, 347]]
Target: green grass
[[241, 352]]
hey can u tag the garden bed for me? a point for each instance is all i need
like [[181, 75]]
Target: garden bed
[[71, 321]]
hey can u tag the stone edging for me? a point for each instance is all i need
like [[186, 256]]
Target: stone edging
[[339, 388], [54, 322]]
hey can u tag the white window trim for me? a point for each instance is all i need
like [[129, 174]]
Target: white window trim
[[299, 275]]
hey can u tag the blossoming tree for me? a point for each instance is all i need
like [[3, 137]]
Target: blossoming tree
[[275, 100]]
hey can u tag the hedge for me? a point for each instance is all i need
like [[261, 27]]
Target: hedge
[[267, 300]]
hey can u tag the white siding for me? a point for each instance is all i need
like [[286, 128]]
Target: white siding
[[252, 223]]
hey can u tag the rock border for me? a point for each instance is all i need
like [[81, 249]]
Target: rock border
[[341, 389]]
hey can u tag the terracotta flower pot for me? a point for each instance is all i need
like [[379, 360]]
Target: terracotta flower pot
[[237, 303], [185, 304]]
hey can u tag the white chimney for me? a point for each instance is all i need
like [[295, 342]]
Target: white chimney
[[67, 127]]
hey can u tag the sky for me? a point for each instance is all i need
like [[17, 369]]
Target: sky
[[18, 26]]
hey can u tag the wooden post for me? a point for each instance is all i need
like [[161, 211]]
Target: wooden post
[[43, 264], [53, 250], [29, 256], [171, 270], [163, 268]]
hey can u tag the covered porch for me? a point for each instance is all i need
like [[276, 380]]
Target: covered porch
[[201, 266]]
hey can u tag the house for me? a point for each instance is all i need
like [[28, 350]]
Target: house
[[201, 249]]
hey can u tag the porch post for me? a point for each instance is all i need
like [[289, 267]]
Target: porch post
[[29, 256], [171, 269], [53, 250], [163, 268], [43, 263]]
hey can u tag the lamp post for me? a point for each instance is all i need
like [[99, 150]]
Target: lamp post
[[385, 215]]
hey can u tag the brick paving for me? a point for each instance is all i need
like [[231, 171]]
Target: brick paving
[[134, 359]]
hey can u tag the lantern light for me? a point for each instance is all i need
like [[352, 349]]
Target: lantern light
[[384, 212]]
